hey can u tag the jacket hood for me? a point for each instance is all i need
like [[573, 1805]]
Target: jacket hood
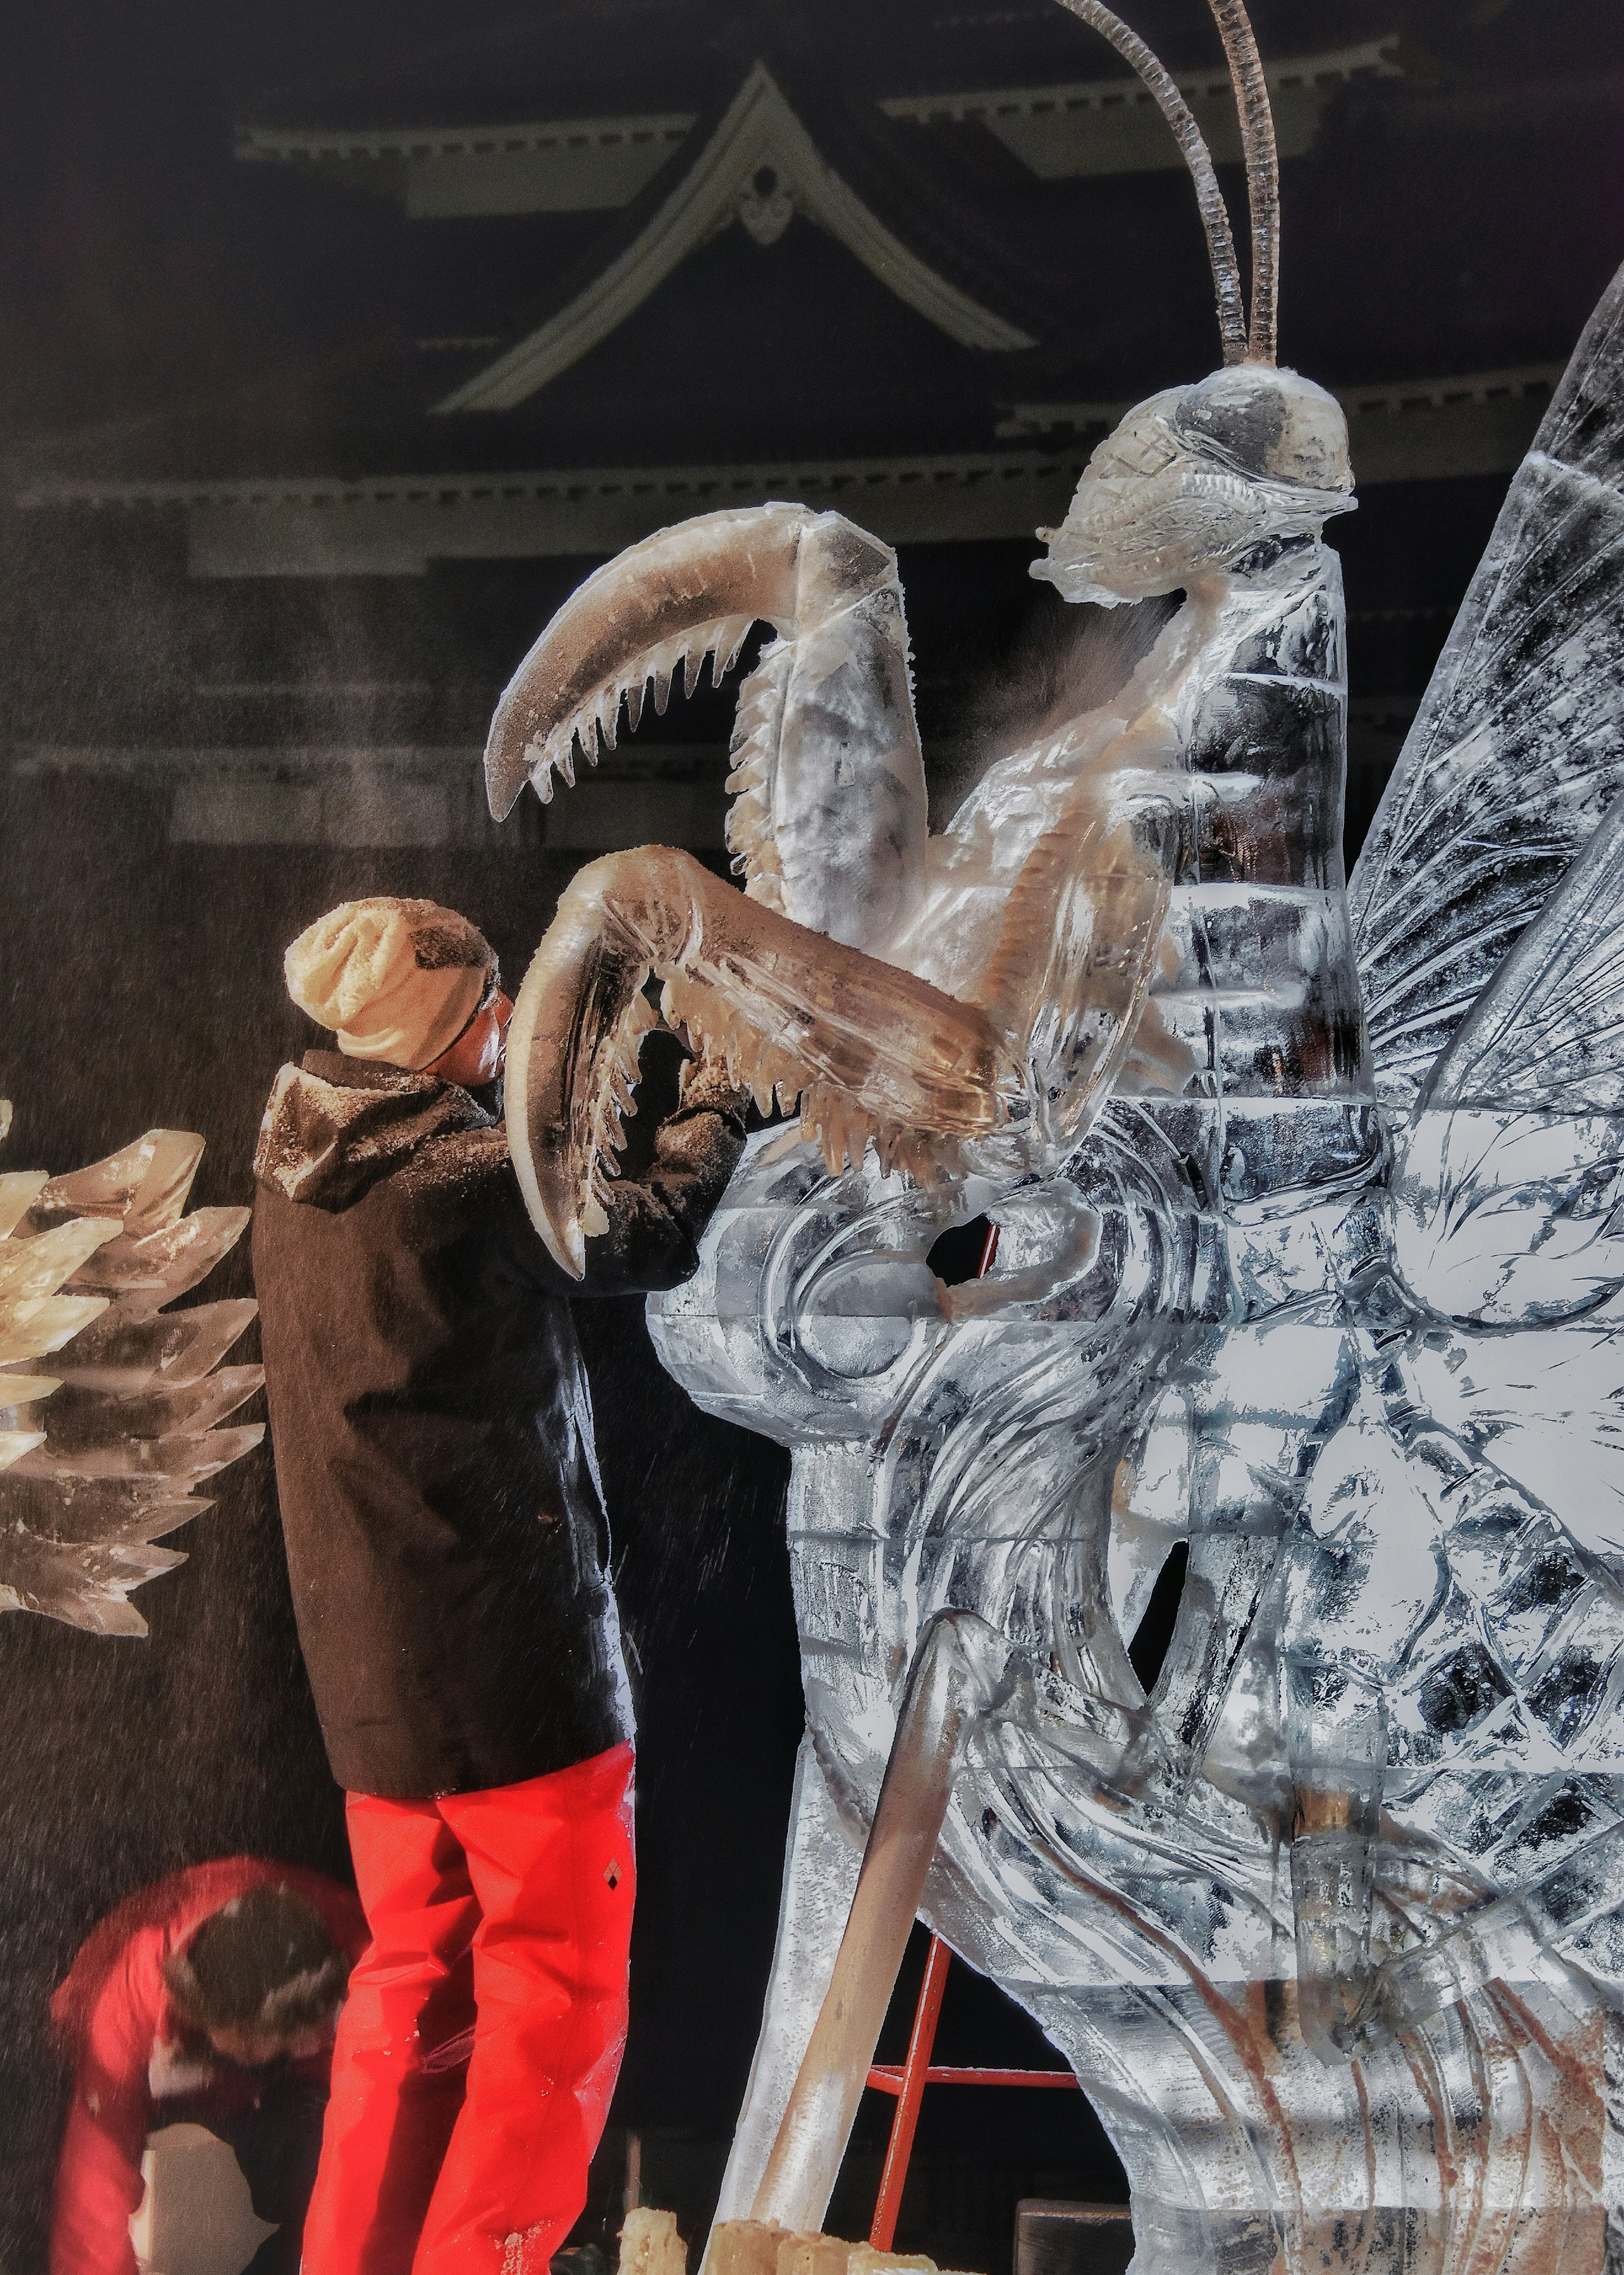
[[334, 1125]]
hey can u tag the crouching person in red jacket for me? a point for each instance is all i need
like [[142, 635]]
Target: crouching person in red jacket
[[209, 1998], [448, 1551]]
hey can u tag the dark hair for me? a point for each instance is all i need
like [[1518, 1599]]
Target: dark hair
[[263, 1961]]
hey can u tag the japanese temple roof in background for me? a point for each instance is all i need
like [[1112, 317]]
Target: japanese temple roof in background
[[653, 56], [384, 527], [618, 57], [559, 278]]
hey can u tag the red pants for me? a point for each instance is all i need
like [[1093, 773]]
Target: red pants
[[483, 2032]]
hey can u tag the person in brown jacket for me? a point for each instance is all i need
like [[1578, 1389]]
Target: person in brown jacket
[[448, 1551]]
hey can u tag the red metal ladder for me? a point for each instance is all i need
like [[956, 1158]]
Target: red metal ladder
[[908, 2080]]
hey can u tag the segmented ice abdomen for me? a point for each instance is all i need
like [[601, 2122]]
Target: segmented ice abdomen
[[1257, 980]]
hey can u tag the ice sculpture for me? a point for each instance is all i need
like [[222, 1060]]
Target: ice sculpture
[[99, 1455], [1308, 1255]]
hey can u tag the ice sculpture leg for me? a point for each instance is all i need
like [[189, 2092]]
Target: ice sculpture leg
[[822, 1858], [957, 1664]]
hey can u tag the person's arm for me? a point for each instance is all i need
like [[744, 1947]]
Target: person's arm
[[658, 1210], [99, 2169]]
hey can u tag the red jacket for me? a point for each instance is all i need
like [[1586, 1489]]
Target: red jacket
[[133, 2069]]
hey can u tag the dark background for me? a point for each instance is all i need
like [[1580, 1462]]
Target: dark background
[[164, 311]]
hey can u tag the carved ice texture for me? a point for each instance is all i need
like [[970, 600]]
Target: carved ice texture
[[1308, 1256], [109, 1404]]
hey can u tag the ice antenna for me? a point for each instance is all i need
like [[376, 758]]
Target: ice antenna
[[1199, 158], [1251, 100]]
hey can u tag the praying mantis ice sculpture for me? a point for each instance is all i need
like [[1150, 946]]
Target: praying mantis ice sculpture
[[1307, 1206], [100, 1454]]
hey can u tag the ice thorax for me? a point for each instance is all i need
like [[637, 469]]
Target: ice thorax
[[111, 1409]]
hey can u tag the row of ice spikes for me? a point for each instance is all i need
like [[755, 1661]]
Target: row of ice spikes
[[830, 1119], [613, 1100], [596, 719], [36, 1317], [50, 1227], [758, 731], [756, 727]]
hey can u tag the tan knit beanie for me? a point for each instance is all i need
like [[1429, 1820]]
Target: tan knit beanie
[[395, 979]]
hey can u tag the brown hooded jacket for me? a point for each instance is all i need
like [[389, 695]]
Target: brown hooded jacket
[[431, 1423]]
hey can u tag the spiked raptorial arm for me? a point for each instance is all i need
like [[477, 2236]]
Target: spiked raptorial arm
[[871, 1050], [828, 824], [668, 603]]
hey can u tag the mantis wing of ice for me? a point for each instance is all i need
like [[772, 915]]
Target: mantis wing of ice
[[1517, 750], [110, 1403], [1547, 1036], [1506, 1193], [1498, 1384]]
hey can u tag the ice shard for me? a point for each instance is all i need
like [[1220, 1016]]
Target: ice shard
[[110, 1409]]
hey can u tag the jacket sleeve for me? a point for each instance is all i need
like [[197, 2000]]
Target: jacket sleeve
[[99, 2170], [658, 1213]]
